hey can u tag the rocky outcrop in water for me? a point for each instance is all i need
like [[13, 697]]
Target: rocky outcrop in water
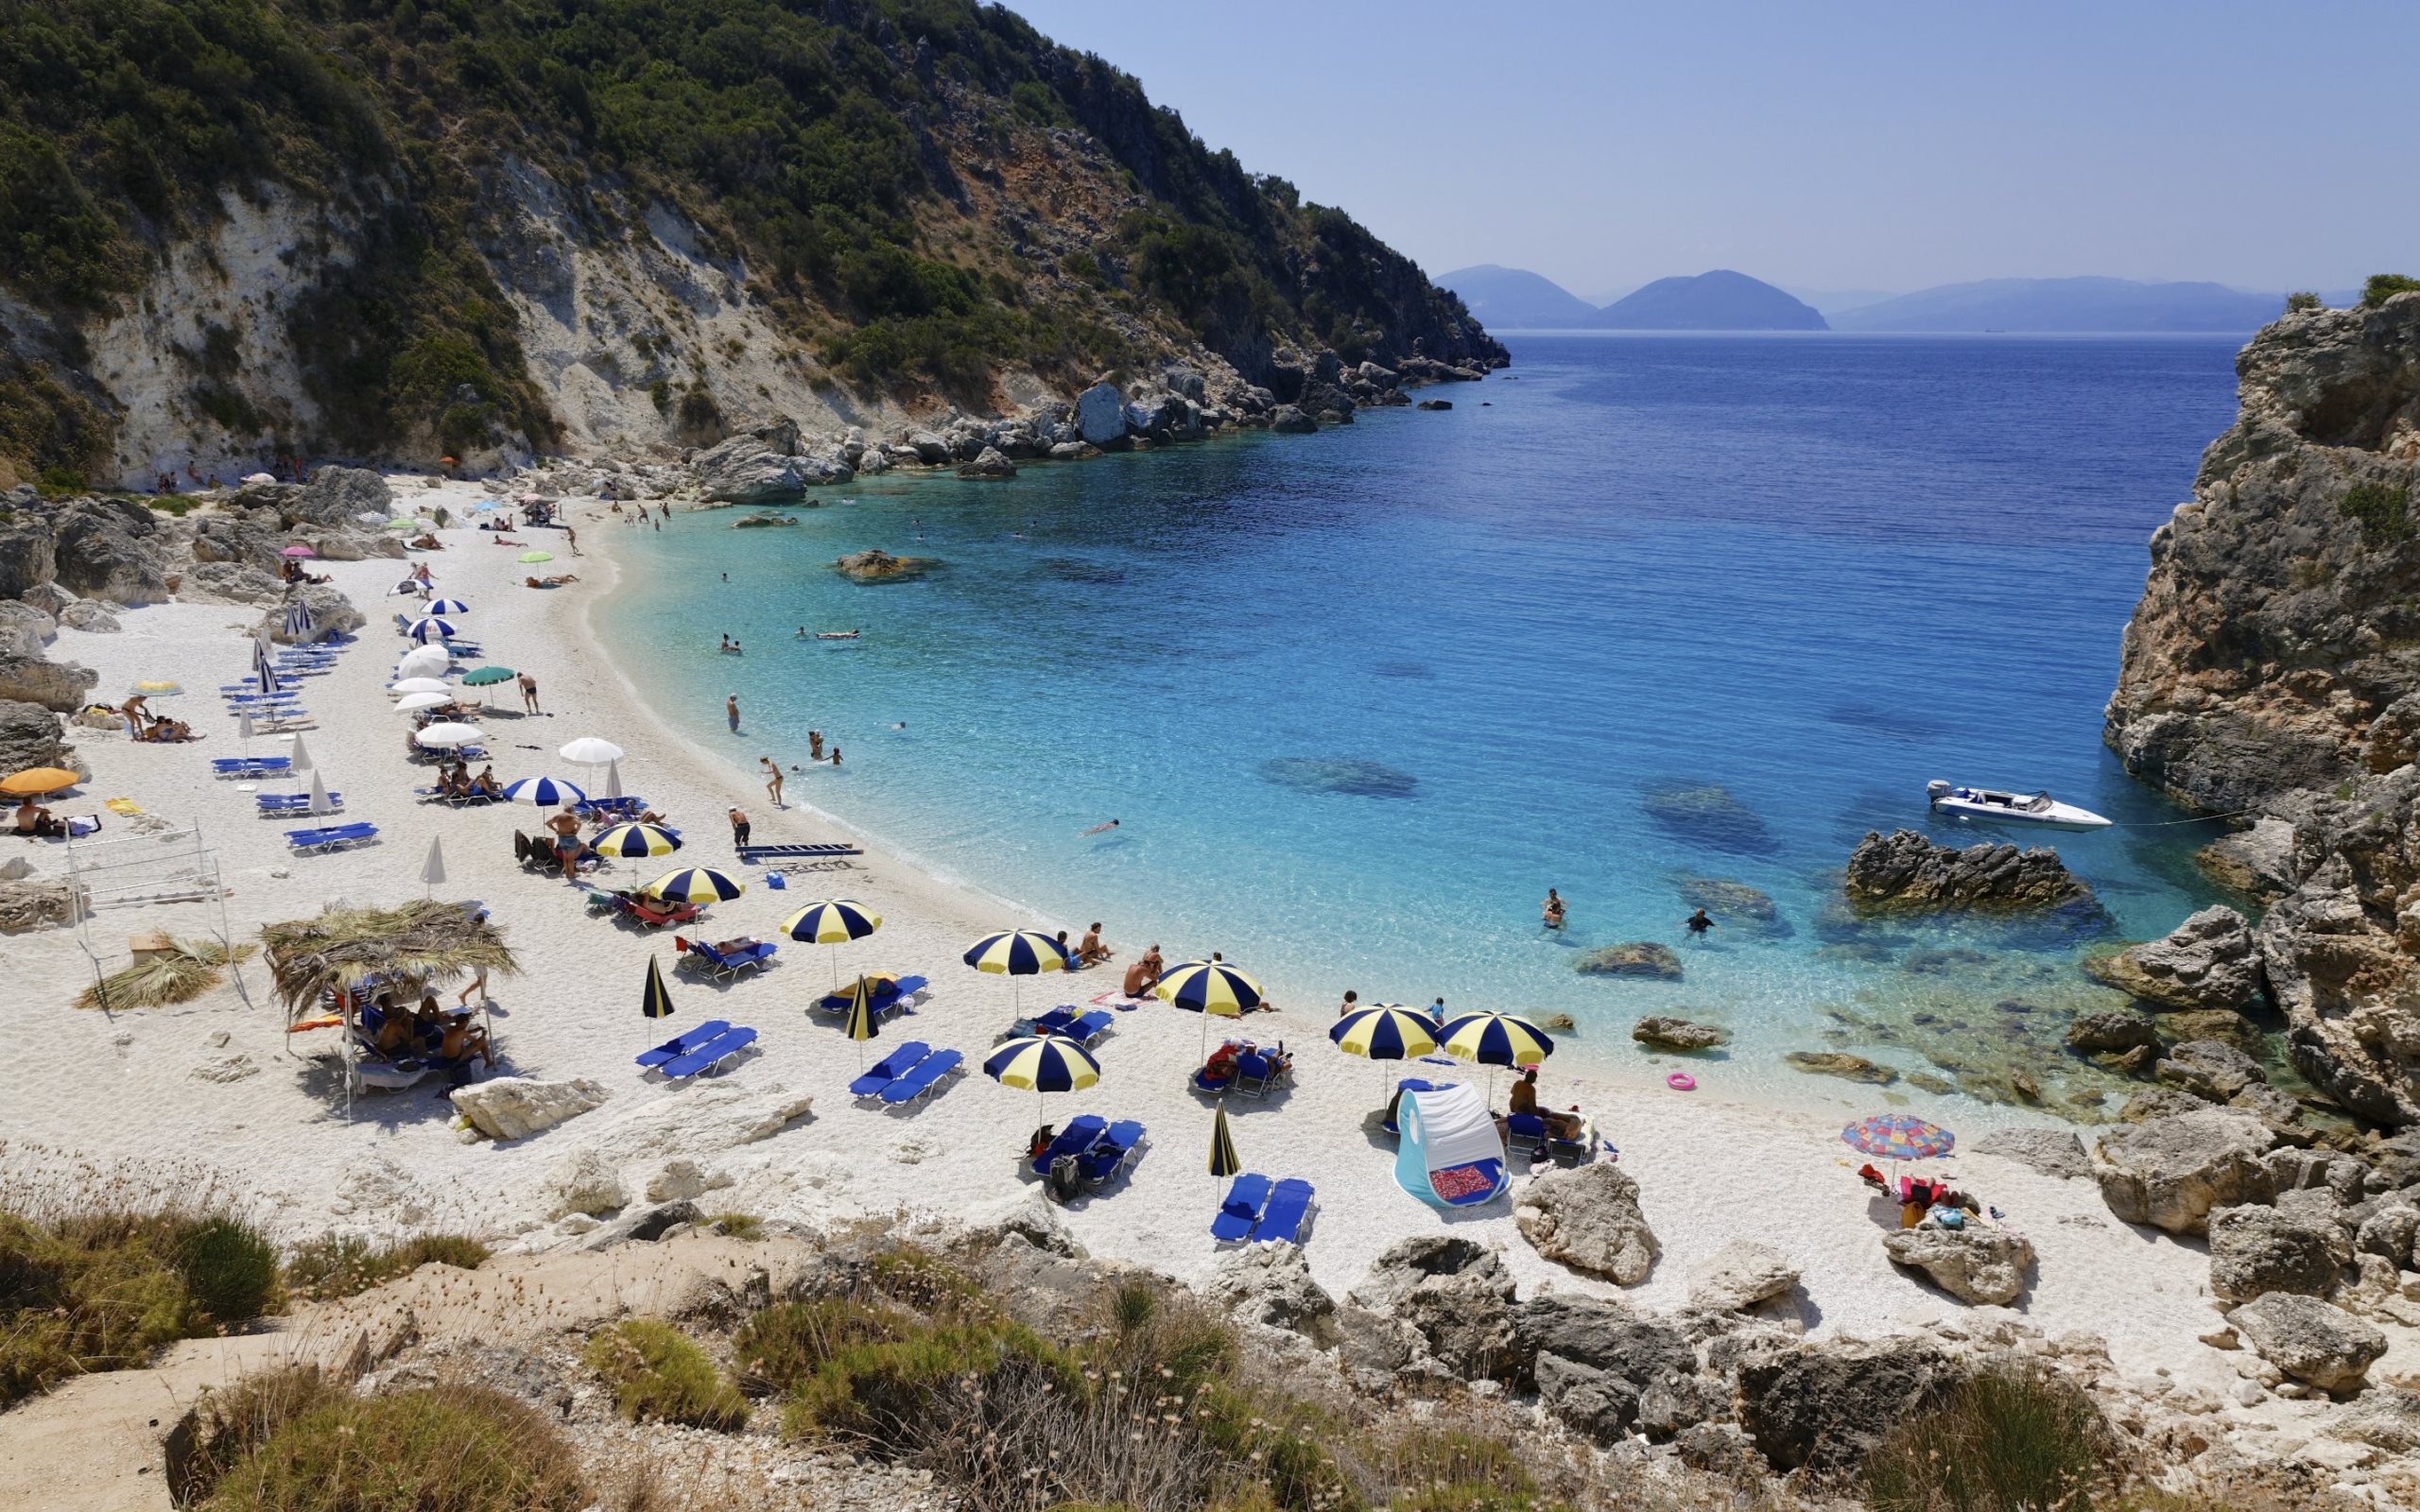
[[1661, 1032], [882, 567], [1640, 957], [2210, 961], [1904, 872], [2272, 671]]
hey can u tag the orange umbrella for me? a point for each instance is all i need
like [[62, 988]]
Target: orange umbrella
[[38, 779]]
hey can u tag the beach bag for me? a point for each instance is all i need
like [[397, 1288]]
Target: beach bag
[[1060, 1183]]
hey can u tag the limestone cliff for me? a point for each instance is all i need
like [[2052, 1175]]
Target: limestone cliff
[[2271, 672], [255, 229]]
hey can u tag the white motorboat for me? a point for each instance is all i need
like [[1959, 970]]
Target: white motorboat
[[1993, 806]]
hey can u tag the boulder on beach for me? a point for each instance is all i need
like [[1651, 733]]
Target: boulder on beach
[[514, 1108], [1639, 957], [1587, 1216], [1456, 1295], [1842, 1064], [1663, 1032], [2210, 961], [1739, 1275], [60, 686], [1272, 1285], [1709, 815], [2257, 1249], [1974, 1264], [31, 735], [2209, 1069], [1595, 1362], [2170, 1172], [875, 566], [583, 1181], [2313, 1341], [1905, 871]]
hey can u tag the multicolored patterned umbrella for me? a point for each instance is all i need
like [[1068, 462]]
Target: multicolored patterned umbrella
[[1898, 1137]]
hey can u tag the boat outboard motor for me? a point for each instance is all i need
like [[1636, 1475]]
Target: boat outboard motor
[[1936, 790]]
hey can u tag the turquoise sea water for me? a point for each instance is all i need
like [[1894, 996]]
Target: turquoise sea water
[[1360, 698]]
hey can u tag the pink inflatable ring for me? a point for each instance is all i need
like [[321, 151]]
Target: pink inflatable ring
[[1681, 1081]]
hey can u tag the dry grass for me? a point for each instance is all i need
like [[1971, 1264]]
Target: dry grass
[[187, 970], [344, 949], [2011, 1439], [658, 1374], [456, 1448], [324, 1270]]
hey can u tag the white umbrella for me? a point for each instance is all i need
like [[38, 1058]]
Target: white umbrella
[[590, 751], [413, 703], [612, 779], [320, 803], [450, 734], [424, 661], [421, 685], [244, 731], [300, 761], [432, 870]]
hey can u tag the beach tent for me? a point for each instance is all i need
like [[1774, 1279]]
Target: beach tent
[[1450, 1155]]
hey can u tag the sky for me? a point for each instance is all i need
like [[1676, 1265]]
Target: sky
[[1870, 145]]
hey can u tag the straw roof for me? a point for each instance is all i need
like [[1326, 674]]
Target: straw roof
[[347, 947]]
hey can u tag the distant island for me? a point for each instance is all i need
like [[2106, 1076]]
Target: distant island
[[1512, 298], [1515, 298]]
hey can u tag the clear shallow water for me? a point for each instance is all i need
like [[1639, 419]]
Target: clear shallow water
[[1360, 698]]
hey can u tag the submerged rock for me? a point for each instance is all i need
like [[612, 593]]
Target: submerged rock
[[1664, 1033], [1839, 1063], [2210, 961], [1643, 957], [882, 567], [1905, 871], [760, 522], [1707, 813], [1338, 774], [1734, 904]]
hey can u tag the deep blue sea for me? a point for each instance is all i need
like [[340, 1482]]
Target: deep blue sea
[[1359, 698]]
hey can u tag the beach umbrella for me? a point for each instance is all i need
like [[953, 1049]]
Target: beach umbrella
[[401, 523], [301, 759], [612, 779], [588, 750], [432, 869], [244, 731], [545, 791], [445, 605], [862, 1025], [535, 557], [1495, 1039], [320, 800], [444, 735], [834, 922], [1211, 989], [1044, 1064], [1898, 1137], [298, 550], [1223, 1161], [424, 661], [635, 840], [430, 627], [408, 685], [487, 677], [35, 779], [1385, 1031], [696, 884], [655, 1000], [1016, 952], [297, 620], [157, 688], [413, 703], [265, 678]]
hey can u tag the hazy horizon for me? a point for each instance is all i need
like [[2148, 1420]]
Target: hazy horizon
[[1897, 147]]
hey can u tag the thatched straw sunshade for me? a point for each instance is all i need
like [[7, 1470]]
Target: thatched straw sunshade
[[343, 949]]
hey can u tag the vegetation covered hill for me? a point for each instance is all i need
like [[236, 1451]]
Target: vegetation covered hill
[[369, 225]]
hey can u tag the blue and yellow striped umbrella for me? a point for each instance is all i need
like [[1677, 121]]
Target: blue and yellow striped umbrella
[[632, 840], [1043, 1063], [1495, 1039], [1385, 1031], [1016, 952], [834, 922], [1222, 1146], [654, 1000], [1209, 987], [696, 884], [1899, 1137]]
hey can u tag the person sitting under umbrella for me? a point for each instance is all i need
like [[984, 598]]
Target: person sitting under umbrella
[[1525, 1100], [35, 823]]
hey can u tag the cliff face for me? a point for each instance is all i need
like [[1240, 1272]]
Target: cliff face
[[2272, 670], [240, 228]]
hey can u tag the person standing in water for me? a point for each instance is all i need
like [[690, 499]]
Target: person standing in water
[[1552, 909], [731, 712], [773, 778], [1699, 923]]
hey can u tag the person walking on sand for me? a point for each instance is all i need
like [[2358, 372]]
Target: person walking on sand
[[731, 712], [773, 778], [529, 692], [571, 538], [1552, 910], [739, 829]]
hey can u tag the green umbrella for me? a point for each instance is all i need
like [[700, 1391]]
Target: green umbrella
[[482, 677], [536, 555]]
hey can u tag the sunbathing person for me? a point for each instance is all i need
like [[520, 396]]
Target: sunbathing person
[[462, 1040], [1221, 1067], [562, 579], [485, 786], [1145, 973], [35, 823], [1090, 951]]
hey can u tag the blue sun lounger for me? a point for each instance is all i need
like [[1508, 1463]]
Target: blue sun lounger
[[1241, 1211], [1102, 1164], [1410, 1084], [1086, 1029], [1080, 1135], [720, 966], [289, 805], [890, 1068], [709, 1055], [1288, 1209], [331, 837], [694, 1039], [921, 1079]]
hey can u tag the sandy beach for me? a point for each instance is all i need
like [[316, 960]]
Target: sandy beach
[[218, 1085]]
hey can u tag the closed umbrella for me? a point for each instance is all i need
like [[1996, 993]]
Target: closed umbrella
[[320, 803], [1043, 1064], [1223, 1161], [696, 884], [299, 623], [544, 793], [862, 1024], [655, 1000], [244, 731], [301, 759], [834, 922], [1016, 952], [432, 869], [636, 840], [612, 779], [1385, 1031]]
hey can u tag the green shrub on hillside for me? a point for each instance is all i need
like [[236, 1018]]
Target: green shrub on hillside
[[2297, 303], [2011, 1438], [659, 1375], [2384, 286], [324, 1270], [2384, 512], [453, 1448]]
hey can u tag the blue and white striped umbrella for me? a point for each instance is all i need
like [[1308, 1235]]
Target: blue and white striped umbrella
[[264, 677], [297, 620], [445, 605], [544, 792], [430, 628]]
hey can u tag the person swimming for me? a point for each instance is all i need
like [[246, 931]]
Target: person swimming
[[1699, 923], [1105, 824]]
